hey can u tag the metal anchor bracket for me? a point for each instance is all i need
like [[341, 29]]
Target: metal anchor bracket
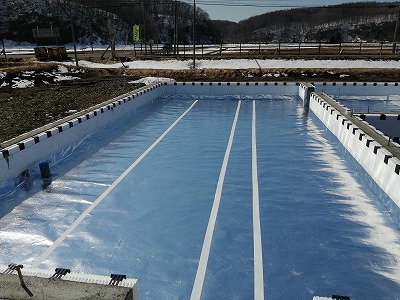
[[60, 272], [116, 279], [11, 269]]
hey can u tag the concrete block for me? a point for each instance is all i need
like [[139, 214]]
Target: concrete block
[[63, 127], [28, 142], [12, 149], [52, 132], [73, 122], [42, 136]]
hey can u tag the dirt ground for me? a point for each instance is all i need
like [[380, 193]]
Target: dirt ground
[[22, 110]]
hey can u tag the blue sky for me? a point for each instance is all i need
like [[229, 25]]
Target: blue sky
[[236, 10]]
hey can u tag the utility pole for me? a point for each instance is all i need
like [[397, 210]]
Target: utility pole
[[4, 50], [74, 41], [3, 30], [176, 28], [69, 13], [395, 34], [194, 34], [144, 29]]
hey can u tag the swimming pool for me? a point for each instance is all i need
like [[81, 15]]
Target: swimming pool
[[212, 198]]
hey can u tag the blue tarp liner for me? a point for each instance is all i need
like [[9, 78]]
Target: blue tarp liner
[[323, 230]]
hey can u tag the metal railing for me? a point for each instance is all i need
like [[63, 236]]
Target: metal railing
[[299, 49]]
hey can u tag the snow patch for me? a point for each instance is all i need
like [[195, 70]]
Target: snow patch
[[28, 79], [152, 80], [247, 64], [71, 111], [58, 78], [62, 69], [22, 83]]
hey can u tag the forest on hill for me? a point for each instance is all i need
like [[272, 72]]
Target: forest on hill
[[95, 21], [98, 21], [369, 21]]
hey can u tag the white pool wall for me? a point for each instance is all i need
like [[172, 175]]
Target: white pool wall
[[41, 146], [383, 168], [305, 90], [240, 89]]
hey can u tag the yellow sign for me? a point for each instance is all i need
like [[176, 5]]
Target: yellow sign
[[136, 33]]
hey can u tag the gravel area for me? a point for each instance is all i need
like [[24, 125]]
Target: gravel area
[[22, 110]]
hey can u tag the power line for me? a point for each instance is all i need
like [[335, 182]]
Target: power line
[[344, 5], [242, 3]]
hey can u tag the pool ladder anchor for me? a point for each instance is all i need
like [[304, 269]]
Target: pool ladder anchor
[[17, 268], [339, 297], [116, 279], [60, 272]]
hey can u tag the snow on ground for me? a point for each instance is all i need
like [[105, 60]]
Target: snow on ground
[[247, 64], [61, 77], [30, 78], [152, 80], [22, 83]]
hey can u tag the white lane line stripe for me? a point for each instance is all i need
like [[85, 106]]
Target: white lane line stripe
[[258, 259], [205, 251], [45, 254]]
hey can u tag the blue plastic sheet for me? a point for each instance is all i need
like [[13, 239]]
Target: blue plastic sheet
[[323, 229]]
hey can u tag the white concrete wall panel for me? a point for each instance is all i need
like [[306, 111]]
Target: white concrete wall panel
[[377, 161], [243, 89]]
